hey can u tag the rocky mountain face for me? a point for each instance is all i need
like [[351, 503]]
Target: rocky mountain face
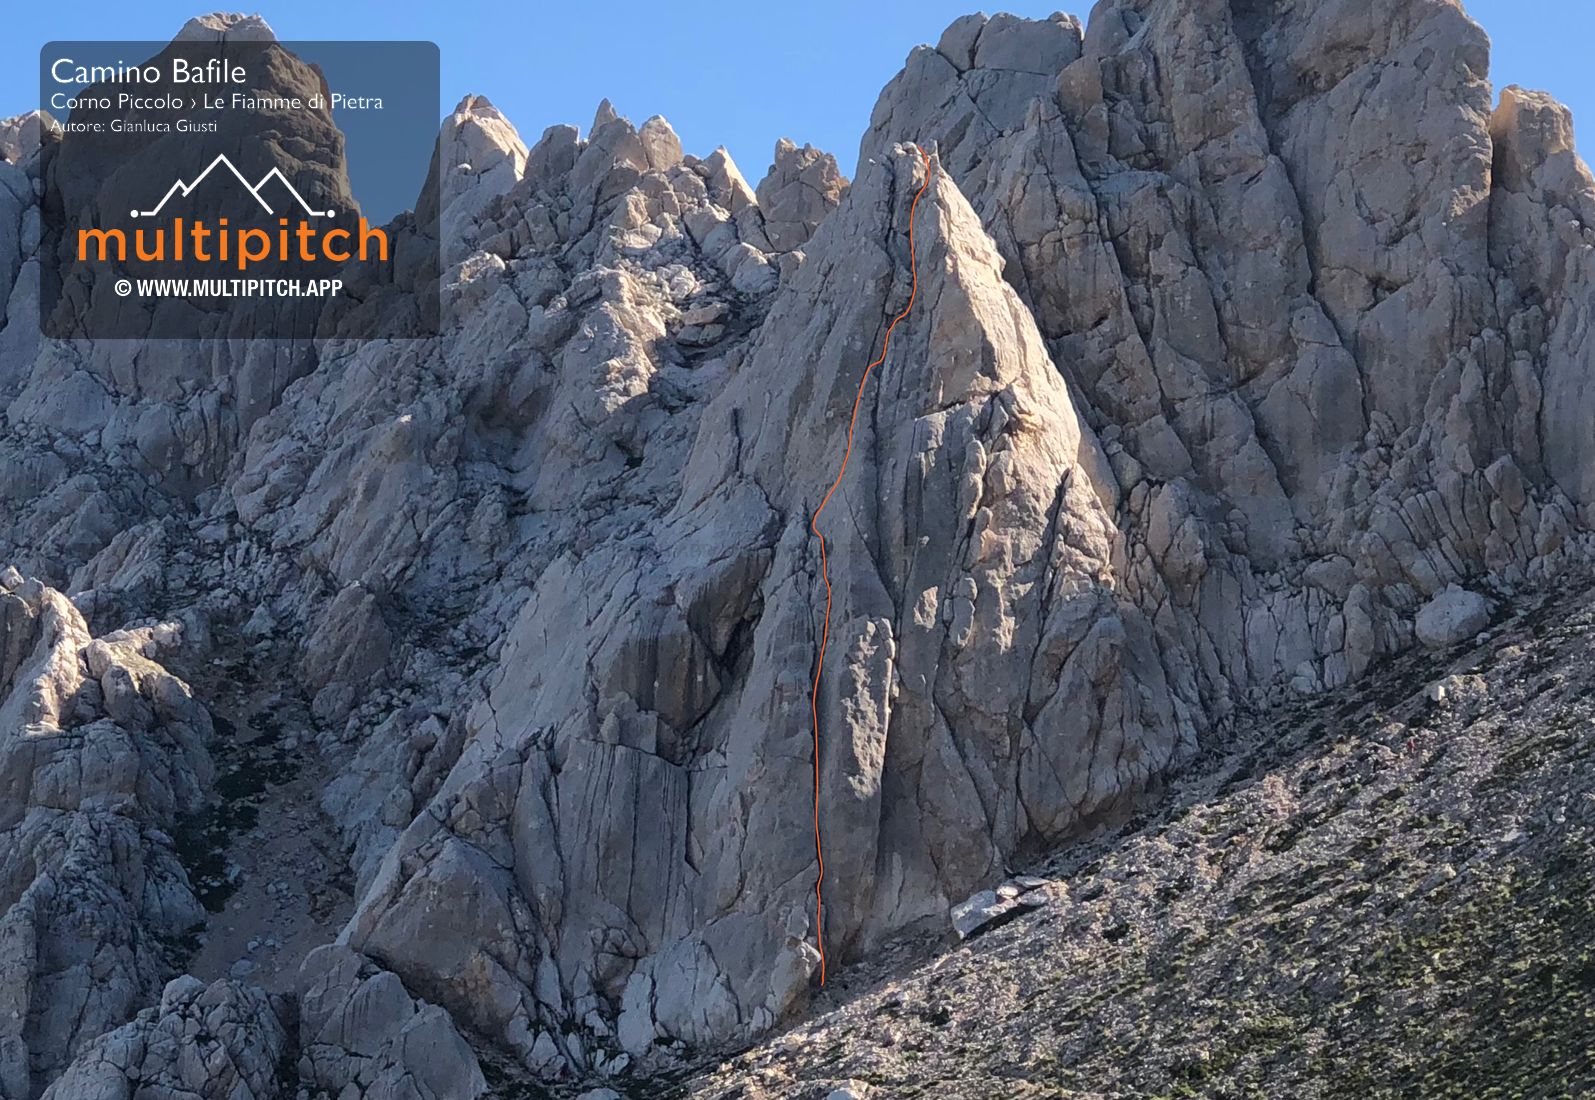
[[1247, 354], [1378, 892]]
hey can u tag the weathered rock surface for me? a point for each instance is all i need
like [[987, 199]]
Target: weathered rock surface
[[1362, 894], [216, 1042], [1248, 350], [802, 187], [991, 909], [1455, 615], [362, 1037], [100, 751], [19, 136]]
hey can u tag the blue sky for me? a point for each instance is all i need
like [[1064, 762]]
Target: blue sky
[[736, 75]]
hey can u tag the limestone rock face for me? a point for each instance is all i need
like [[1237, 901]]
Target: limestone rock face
[[570, 790], [1321, 385], [363, 1037], [485, 158], [222, 26], [1247, 349], [801, 188], [976, 85], [216, 1042], [100, 750], [100, 436], [19, 136]]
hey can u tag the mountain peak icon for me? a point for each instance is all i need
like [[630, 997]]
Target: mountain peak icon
[[277, 199]]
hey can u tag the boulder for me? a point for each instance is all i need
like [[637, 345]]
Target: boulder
[[989, 909], [1453, 616]]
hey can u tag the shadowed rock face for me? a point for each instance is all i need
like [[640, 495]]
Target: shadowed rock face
[[1244, 333], [102, 751]]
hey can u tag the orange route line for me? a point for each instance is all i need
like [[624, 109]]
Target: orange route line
[[825, 569]]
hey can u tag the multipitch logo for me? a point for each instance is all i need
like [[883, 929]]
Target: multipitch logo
[[194, 240]]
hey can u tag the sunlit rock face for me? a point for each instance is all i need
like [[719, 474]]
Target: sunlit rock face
[[1244, 332]]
